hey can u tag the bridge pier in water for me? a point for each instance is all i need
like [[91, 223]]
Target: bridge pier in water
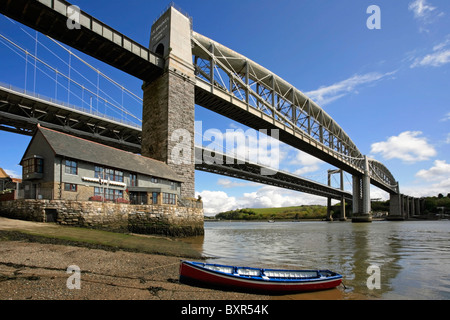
[[361, 196], [396, 207], [342, 216], [402, 207]]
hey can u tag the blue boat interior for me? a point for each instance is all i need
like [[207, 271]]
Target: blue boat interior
[[267, 274]]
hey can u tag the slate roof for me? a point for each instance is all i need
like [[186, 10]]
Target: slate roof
[[93, 152]]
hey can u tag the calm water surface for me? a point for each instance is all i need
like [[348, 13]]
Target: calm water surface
[[413, 256]]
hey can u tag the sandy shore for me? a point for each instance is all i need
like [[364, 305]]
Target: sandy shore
[[38, 271]]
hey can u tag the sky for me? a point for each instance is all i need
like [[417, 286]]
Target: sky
[[387, 87]]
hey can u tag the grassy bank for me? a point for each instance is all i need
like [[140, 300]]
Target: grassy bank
[[90, 238], [283, 213]]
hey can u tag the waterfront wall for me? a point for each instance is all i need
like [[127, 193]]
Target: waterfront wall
[[169, 220]]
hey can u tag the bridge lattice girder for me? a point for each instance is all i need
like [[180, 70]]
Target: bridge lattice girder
[[235, 86]]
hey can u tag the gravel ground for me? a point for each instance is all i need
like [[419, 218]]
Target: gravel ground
[[39, 271]]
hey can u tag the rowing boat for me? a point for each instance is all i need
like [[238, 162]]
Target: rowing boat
[[258, 279]]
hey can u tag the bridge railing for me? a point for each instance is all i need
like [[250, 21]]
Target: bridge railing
[[67, 105]]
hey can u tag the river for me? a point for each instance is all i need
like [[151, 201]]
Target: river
[[378, 260]]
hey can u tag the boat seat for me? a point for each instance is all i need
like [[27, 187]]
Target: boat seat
[[248, 272], [291, 274], [223, 269]]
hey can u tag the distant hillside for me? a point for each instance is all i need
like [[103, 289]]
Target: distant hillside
[[431, 205], [284, 213]]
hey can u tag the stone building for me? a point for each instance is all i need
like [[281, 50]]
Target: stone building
[[58, 166]]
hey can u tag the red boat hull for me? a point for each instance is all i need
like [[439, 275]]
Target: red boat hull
[[189, 273]]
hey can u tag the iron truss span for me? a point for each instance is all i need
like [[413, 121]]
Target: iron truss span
[[237, 87]]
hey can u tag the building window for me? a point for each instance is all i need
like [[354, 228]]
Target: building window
[[133, 180], [108, 194], [71, 167], [33, 165], [70, 187], [118, 175], [169, 198], [98, 172], [108, 174], [98, 192], [154, 180]]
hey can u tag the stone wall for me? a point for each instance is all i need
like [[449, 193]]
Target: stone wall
[[166, 220]]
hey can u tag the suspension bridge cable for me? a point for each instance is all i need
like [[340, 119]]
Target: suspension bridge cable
[[62, 74], [96, 70], [80, 74], [80, 59]]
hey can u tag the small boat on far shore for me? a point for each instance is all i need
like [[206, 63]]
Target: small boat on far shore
[[258, 279]]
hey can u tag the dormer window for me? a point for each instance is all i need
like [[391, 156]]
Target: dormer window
[[33, 165]]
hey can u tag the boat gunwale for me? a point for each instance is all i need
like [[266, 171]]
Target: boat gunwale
[[266, 279]]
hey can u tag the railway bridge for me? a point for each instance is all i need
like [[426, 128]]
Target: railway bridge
[[180, 69]]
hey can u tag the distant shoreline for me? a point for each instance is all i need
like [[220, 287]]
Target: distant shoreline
[[260, 220]]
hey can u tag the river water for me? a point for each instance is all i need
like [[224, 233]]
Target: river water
[[378, 260]]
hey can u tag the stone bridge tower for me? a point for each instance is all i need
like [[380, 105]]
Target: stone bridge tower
[[169, 104]]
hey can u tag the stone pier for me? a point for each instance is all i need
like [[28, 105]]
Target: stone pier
[[168, 117], [396, 212], [361, 196]]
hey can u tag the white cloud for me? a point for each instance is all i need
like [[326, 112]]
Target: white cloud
[[425, 13], [13, 174], [407, 146], [325, 95], [439, 57], [216, 201], [265, 197], [448, 138], [377, 193], [228, 183], [442, 45], [446, 117], [435, 59], [249, 145], [307, 162], [421, 9], [440, 169], [431, 181]]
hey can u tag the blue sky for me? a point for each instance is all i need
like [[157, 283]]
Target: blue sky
[[387, 88]]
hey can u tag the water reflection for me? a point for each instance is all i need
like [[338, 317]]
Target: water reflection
[[410, 255]]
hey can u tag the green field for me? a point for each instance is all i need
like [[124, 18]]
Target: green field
[[283, 213]]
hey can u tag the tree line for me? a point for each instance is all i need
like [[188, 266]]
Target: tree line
[[431, 205]]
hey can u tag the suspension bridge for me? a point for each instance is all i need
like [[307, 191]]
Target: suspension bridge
[[180, 69]]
